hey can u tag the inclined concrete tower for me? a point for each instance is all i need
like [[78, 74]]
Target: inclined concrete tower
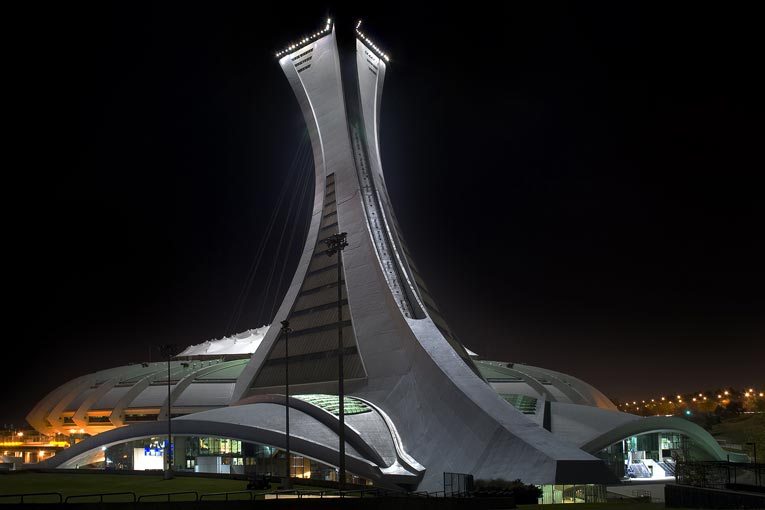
[[419, 406], [399, 352]]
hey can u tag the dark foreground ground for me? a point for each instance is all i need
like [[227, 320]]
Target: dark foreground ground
[[188, 490]]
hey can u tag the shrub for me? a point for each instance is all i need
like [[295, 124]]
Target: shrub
[[524, 493]]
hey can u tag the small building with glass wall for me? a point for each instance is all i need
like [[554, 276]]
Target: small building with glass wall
[[208, 454]]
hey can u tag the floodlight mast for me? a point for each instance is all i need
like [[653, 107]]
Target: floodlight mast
[[336, 243], [286, 330], [167, 350]]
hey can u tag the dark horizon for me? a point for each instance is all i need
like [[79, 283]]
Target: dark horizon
[[577, 184]]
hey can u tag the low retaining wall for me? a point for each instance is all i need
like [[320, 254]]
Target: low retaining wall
[[686, 496]]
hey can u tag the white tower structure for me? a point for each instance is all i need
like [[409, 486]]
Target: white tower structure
[[417, 404], [399, 353]]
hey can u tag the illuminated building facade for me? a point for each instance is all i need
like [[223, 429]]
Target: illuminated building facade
[[417, 405]]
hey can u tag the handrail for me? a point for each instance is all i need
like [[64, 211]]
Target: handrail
[[22, 496], [309, 492], [168, 494], [100, 496], [203, 496], [336, 493], [285, 492]]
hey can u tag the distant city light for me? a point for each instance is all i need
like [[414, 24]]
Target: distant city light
[[746, 397]]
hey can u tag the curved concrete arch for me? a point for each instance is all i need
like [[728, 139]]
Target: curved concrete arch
[[55, 415], [534, 384], [563, 385], [123, 373], [567, 390], [39, 416], [68, 392], [186, 381], [318, 444], [117, 417], [352, 436], [409, 462], [79, 417], [591, 394], [403, 463], [661, 424]]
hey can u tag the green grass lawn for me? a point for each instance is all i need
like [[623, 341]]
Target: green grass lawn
[[745, 428], [69, 484]]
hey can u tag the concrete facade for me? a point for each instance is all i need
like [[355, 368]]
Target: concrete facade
[[435, 409], [449, 418]]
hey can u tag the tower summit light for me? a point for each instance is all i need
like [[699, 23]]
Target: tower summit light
[[305, 40], [370, 43]]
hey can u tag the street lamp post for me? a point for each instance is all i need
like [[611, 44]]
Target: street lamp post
[[336, 243], [286, 330], [167, 351], [753, 444]]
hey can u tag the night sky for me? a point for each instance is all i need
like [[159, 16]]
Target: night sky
[[580, 185]]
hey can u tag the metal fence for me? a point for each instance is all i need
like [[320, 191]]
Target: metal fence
[[132, 497], [457, 484], [720, 475]]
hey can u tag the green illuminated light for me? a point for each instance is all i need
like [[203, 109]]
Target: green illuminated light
[[331, 404], [524, 403]]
